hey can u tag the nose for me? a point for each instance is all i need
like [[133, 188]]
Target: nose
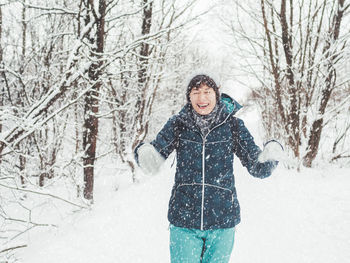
[[202, 96]]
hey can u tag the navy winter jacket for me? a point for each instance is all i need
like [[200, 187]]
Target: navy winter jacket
[[204, 194]]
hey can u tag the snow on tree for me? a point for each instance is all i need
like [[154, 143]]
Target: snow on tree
[[296, 51], [67, 69]]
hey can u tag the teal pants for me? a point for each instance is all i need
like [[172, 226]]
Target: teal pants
[[197, 246]]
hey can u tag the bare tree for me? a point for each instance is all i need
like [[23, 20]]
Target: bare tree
[[2, 91], [145, 70], [76, 66], [332, 50], [96, 40], [143, 79], [37, 73], [300, 48]]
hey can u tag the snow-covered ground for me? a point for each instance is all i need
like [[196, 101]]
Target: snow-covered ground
[[289, 217], [296, 217]]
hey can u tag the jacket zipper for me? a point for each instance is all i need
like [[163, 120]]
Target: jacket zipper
[[203, 169], [203, 182]]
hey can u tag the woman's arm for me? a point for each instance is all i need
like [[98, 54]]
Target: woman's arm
[[248, 152], [150, 156]]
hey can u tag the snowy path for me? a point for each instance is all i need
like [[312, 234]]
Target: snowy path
[[289, 217]]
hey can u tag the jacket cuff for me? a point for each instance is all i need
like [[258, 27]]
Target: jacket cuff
[[273, 140], [136, 155]]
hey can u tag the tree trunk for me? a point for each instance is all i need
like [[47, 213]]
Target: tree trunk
[[142, 127], [330, 55], [91, 107], [2, 91], [293, 116], [22, 146]]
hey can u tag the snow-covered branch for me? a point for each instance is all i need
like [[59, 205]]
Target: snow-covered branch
[[43, 194]]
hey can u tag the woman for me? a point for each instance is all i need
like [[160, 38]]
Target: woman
[[203, 208]]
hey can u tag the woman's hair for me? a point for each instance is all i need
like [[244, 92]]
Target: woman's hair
[[199, 80]]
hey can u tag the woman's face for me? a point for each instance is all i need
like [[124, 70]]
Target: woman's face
[[203, 99]]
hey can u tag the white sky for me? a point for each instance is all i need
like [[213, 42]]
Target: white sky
[[213, 39]]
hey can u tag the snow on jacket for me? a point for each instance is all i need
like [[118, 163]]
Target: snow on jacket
[[204, 194]]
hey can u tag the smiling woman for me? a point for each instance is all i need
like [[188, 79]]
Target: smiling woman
[[203, 99], [203, 208]]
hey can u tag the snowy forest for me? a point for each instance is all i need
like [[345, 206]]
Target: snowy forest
[[82, 83]]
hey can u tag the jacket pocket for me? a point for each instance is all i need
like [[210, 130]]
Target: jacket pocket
[[185, 205], [219, 208]]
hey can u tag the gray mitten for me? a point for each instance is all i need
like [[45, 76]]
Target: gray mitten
[[149, 159], [273, 151]]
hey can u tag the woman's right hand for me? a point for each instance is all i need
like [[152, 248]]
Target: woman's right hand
[[149, 159]]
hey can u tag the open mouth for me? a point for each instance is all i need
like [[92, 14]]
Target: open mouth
[[202, 106]]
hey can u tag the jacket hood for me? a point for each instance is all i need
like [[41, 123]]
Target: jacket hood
[[231, 104]]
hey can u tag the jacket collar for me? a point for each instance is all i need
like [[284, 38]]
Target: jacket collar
[[226, 107]]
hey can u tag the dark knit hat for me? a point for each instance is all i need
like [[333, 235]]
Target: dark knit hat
[[199, 80]]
